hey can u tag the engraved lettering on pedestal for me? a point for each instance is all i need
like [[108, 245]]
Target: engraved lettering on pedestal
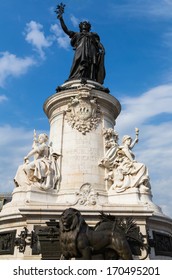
[[84, 159], [83, 112]]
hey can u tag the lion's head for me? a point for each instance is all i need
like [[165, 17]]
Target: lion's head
[[70, 220], [70, 224]]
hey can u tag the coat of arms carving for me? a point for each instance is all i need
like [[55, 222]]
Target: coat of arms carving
[[83, 112]]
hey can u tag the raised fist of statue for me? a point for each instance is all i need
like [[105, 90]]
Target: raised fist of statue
[[60, 10]]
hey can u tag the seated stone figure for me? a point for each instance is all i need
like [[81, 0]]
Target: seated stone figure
[[127, 172], [43, 171]]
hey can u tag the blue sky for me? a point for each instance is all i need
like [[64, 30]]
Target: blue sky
[[35, 57]]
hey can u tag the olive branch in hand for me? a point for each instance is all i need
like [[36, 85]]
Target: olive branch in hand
[[60, 10]]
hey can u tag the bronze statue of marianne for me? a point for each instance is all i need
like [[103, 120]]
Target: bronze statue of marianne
[[88, 62]]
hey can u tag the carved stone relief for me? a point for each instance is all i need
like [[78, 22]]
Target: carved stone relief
[[83, 112], [162, 243], [7, 242], [111, 144], [86, 195]]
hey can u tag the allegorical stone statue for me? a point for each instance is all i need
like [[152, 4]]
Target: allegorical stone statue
[[88, 62], [42, 171], [124, 171], [129, 173]]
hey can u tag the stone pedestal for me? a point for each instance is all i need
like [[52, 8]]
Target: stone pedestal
[[78, 115]]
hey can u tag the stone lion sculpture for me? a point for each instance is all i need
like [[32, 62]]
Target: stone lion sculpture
[[78, 240]]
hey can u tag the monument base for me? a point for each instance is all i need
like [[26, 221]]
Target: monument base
[[27, 224], [82, 117]]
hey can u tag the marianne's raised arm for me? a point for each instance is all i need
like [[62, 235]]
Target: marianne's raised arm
[[60, 11], [64, 27]]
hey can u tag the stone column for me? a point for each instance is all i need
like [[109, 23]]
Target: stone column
[[77, 115]]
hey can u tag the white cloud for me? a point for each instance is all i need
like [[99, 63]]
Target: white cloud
[[167, 39], [145, 8], [140, 109], [75, 21], [14, 145], [56, 29], [35, 36], [63, 42], [160, 8], [61, 38], [3, 98], [11, 65]]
